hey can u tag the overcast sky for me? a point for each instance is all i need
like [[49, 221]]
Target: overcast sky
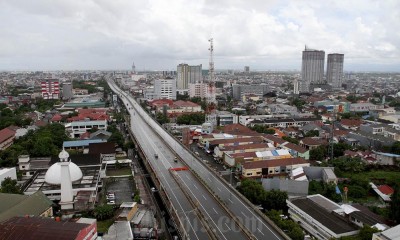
[[159, 34]]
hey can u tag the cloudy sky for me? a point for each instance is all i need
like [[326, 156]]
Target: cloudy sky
[[159, 34]]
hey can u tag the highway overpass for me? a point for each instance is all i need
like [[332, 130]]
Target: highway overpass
[[204, 205]]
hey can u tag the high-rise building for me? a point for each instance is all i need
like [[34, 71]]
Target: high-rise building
[[163, 89], [67, 91], [312, 69], [238, 90], [334, 71], [50, 88], [198, 90], [188, 74], [295, 86], [246, 69]]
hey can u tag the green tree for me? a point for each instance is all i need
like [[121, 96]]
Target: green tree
[[118, 138], [9, 185], [395, 148], [339, 148], [103, 212], [191, 119], [161, 118], [395, 205], [318, 153], [275, 199], [252, 190], [312, 133], [292, 229], [366, 232]]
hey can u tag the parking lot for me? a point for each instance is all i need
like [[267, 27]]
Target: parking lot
[[122, 188]]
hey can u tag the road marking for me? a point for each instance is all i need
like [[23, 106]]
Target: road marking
[[209, 179], [260, 231], [228, 226], [215, 211], [230, 200], [195, 186], [187, 177], [243, 214], [204, 198], [219, 189]]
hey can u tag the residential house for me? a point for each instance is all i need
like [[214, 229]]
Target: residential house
[[14, 205], [8, 173], [389, 234], [312, 142], [296, 150], [7, 137], [76, 129], [351, 124], [363, 107], [48, 228], [255, 147], [291, 132], [272, 168]]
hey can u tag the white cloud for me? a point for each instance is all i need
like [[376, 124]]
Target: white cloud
[[103, 34]]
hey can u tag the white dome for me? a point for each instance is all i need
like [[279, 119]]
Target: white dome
[[53, 174]]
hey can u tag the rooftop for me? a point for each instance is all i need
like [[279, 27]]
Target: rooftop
[[81, 143], [20, 205], [31, 228], [274, 163], [322, 215]]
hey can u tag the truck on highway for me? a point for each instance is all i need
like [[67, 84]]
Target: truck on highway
[[155, 155]]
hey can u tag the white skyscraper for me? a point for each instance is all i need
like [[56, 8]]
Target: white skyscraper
[[334, 71], [312, 69]]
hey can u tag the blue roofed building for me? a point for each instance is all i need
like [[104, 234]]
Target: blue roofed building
[[81, 144]]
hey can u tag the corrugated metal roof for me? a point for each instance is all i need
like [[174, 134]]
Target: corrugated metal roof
[[81, 143]]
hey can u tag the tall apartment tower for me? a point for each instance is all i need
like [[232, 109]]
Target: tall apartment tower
[[334, 71], [312, 68], [188, 74]]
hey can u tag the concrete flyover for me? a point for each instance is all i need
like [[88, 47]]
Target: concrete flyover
[[205, 205]]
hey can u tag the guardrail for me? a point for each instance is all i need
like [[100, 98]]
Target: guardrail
[[222, 180]]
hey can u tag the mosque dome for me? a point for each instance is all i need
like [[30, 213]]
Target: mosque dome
[[53, 174]]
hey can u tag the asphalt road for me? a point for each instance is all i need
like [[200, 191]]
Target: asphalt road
[[224, 227]]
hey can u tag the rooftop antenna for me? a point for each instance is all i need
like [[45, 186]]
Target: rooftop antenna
[[210, 101]]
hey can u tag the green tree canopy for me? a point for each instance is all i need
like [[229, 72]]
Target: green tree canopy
[[9, 185], [103, 212]]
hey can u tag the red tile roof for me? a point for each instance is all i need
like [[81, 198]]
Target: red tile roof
[[86, 135], [237, 140], [385, 189], [295, 147], [5, 134], [274, 163], [311, 141], [40, 228], [351, 122], [245, 146], [274, 139], [161, 102], [56, 118], [237, 129], [92, 110], [181, 103]]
